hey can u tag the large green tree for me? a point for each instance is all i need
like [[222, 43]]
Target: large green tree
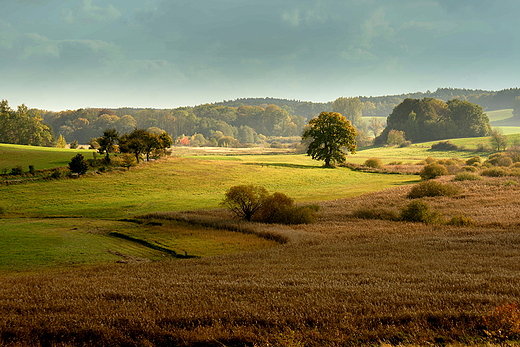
[[330, 135]]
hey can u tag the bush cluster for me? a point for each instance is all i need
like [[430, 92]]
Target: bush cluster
[[255, 203], [375, 163], [433, 170], [432, 188]]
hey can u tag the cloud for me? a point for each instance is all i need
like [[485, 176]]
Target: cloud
[[376, 26], [357, 54], [86, 11]]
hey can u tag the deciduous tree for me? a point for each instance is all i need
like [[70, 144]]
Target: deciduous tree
[[245, 200], [331, 135], [107, 142]]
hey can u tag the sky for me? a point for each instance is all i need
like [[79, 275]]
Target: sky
[[69, 54]]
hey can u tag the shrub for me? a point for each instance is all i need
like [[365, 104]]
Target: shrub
[[467, 176], [461, 221], [366, 213], [74, 144], [445, 146], [78, 165], [272, 207], [495, 172], [298, 215], [433, 170], [432, 188], [505, 161], [475, 161], [496, 159], [470, 168], [430, 160], [374, 163], [17, 170], [56, 174], [31, 169], [405, 144], [482, 147], [395, 137], [418, 211]]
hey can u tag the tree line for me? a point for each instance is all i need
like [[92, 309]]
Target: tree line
[[200, 125]]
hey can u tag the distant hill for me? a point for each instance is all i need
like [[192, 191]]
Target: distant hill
[[383, 105]]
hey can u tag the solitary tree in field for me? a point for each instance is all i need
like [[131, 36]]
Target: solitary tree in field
[[330, 134]]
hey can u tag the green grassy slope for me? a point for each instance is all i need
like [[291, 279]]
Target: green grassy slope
[[88, 207], [40, 157]]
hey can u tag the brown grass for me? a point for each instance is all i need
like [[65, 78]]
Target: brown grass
[[343, 281]]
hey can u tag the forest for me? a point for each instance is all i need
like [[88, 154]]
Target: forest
[[234, 123]]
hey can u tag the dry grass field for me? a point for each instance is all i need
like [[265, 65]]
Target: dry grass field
[[340, 282]]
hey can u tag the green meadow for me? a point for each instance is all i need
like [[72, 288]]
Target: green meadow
[[40, 157], [70, 222]]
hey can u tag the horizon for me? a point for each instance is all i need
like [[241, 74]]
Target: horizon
[[57, 55]]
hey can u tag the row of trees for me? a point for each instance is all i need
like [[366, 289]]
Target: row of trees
[[139, 142]]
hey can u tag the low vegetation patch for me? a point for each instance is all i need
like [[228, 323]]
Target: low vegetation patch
[[433, 170], [467, 176], [461, 221], [433, 188], [419, 211], [374, 163], [373, 213]]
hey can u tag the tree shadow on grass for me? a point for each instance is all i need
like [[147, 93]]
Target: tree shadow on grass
[[292, 166]]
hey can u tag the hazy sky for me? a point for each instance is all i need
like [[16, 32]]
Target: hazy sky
[[67, 54]]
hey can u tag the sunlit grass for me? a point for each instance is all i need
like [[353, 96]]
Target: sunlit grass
[[40, 157], [187, 184]]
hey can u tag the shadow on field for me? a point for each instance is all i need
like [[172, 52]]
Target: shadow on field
[[292, 166]]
